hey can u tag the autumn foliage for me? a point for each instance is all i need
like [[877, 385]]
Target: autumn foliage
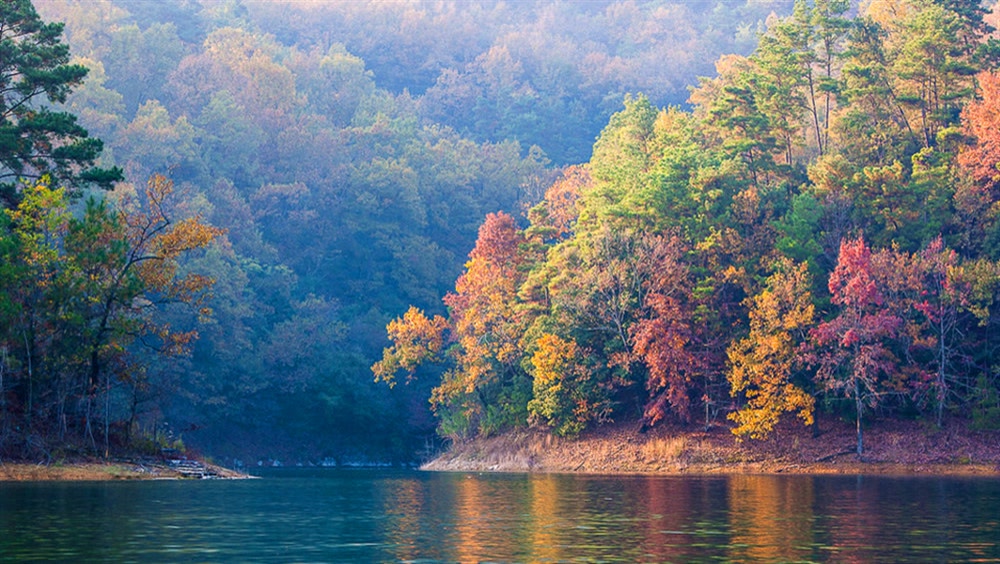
[[83, 300], [981, 119], [855, 357], [559, 389], [416, 339], [817, 234], [663, 337], [764, 363]]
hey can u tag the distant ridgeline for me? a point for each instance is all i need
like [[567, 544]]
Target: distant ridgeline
[[819, 231]]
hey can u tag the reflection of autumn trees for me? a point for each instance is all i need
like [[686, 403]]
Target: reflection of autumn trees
[[667, 507], [547, 520], [553, 518], [771, 518], [472, 508], [857, 521], [405, 502], [862, 518], [493, 519]]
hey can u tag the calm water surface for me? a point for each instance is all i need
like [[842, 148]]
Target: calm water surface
[[402, 516]]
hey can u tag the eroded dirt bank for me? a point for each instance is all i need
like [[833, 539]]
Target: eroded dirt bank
[[891, 447]]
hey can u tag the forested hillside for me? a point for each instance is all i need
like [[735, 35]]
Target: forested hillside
[[818, 232], [541, 72], [337, 159]]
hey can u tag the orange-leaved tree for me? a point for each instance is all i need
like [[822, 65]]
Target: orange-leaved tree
[[127, 258], [487, 388], [416, 339], [979, 166]]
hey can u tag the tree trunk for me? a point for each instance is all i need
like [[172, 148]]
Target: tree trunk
[[131, 415], [942, 392], [107, 419], [88, 427], [29, 350], [858, 406], [3, 398]]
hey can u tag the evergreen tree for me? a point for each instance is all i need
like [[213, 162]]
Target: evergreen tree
[[34, 139]]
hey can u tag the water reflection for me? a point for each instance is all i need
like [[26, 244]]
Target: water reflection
[[545, 522], [404, 505], [856, 522], [771, 518], [472, 513], [382, 516], [667, 504]]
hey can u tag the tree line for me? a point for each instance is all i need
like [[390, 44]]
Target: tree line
[[817, 232], [80, 289], [349, 151]]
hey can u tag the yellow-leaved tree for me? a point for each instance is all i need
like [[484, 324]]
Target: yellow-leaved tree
[[416, 339], [762, 364]]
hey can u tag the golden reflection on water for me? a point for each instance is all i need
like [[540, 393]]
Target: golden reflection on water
[[562, 518], [771, 518], [545, 519], [554, 518], [405, 504], [470, 509]]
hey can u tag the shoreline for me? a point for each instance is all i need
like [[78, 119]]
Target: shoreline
[[96, 470], [892, 448], [888, 469]]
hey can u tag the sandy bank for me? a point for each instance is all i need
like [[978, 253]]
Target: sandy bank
[[892, 447], [97, 470]]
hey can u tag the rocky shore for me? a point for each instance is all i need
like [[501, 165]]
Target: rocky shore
[[891, 447]]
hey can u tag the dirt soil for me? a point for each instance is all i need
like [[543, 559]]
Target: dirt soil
[[100, 470], [891, 447]]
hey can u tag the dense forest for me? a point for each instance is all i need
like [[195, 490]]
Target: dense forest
[[212, 210], [298, 173], [819, 231]]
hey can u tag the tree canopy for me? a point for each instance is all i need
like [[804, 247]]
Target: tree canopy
[[816, 231], [36, 140], [639, 251]]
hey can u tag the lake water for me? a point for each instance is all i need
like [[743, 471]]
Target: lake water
[[298, 515]]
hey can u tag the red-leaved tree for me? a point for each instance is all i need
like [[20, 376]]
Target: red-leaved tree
[[663, 337], [852, 349]]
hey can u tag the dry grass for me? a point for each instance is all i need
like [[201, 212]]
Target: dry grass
[[96, 470], [67, 472], [664, 450], [891, 447]]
